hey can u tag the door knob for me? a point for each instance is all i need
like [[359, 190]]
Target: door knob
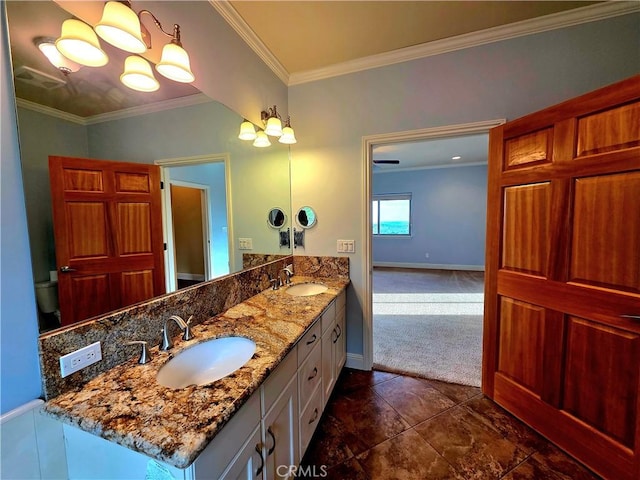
[[67, 268]]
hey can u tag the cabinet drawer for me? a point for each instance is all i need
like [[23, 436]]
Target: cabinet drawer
[[329, 316], [278, 380], [309, 420], [308, 341], [310, 375]]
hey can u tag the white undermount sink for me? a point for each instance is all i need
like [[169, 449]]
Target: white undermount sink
[[306, 289], [206, 362]]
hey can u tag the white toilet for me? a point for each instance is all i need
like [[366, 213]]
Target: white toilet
[[47, 296]]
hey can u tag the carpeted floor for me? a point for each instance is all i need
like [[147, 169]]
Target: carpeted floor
[[428, 323]]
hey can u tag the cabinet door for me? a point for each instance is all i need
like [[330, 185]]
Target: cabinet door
[[340, 342], [280, 434], [562, 297], [328, 363], [248, 463]]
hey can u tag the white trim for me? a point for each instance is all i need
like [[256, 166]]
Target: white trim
[[233, 18], [187, 101], [21, 410], [171, 281], [355, 361], [430, 266], [368, 142], [577, 16], [426, 167]]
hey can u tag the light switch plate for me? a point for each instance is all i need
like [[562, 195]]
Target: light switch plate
[[245, 243], [346, 246], [81, 358]]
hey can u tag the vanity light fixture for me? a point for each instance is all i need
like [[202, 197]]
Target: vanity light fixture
[[273, 127], [261, 140], [138, 75], [47, 46], [121, 27]]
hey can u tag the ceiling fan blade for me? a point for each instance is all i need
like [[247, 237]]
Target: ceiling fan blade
[[386, 162]]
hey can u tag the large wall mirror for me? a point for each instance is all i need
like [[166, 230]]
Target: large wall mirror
[[90, 114]]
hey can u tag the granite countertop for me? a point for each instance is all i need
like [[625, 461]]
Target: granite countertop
[[127, 406]]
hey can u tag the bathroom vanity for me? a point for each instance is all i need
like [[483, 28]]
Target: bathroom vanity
[[255, 423]]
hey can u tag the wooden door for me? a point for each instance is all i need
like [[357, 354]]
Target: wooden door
[[108, 234], [563, 276]]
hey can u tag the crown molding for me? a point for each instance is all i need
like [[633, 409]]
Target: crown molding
[[553, 21], [186, 101], [233, 18], [52, 112]]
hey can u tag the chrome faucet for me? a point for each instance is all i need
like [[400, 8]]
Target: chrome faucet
[[166, 342], [287, 276]]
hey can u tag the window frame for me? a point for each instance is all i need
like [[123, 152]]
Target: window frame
[[376, 199]]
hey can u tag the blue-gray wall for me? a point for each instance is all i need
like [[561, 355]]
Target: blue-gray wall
[[20, 376], [448, 216]]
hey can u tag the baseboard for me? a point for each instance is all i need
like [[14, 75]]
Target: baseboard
[[191, 276], [430, 266], [355, 360]]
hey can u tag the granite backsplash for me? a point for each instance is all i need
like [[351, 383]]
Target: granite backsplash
[[144, 321]]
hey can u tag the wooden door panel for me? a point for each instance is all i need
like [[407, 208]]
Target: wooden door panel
[[521, 330], [134, 240], [82, 180], [136, 286], [87, 224], [128, 182], [613, 129], [608, 204], [560, 349], [526, 225], [602, 359], [527, 150], [92, 295]]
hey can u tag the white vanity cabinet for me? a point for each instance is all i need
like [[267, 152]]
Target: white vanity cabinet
[[334, 352], [264, 440]]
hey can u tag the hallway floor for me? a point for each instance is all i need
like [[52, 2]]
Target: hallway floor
[[382, 426]]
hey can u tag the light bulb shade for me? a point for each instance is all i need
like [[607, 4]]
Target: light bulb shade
[[48, 48], [288, 136], [174, 64], [261, 140], [138, 75], [120, 26], [273, 127], [247, 131], [79, 43]]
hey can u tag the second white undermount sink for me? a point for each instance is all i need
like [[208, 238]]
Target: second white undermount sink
[[306, 289], [206, 362]]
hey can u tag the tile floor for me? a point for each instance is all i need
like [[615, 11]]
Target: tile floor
[[380, 426]]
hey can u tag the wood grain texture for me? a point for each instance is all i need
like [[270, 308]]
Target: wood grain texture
[[526, 228], [87, 223], [128, 182], [531, 148], [602, 359], [134, 228], [608, 206], [136, 286], [521, 342], [610, 130], [77, 180]]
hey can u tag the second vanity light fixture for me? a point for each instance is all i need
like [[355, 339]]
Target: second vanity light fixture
[[273, 127], [121, 27]]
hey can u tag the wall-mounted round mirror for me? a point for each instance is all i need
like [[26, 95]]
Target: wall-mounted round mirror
[[276, 218], [306, 217]]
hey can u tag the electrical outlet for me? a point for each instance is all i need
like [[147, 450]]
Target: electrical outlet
[[85, 356]]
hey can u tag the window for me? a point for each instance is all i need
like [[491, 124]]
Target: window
[[391, 214]]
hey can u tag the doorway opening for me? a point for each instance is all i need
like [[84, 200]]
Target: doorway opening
[[424, 250]]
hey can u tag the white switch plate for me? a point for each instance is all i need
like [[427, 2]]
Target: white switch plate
[[245, 243], [74, 361], [346, 246]]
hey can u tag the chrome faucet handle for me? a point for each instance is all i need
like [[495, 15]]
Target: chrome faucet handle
[[187, 335], [288, 274], [145, 356], [165, 343], [275, 282]]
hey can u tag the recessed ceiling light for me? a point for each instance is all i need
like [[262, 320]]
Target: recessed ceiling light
[[456, 158]]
